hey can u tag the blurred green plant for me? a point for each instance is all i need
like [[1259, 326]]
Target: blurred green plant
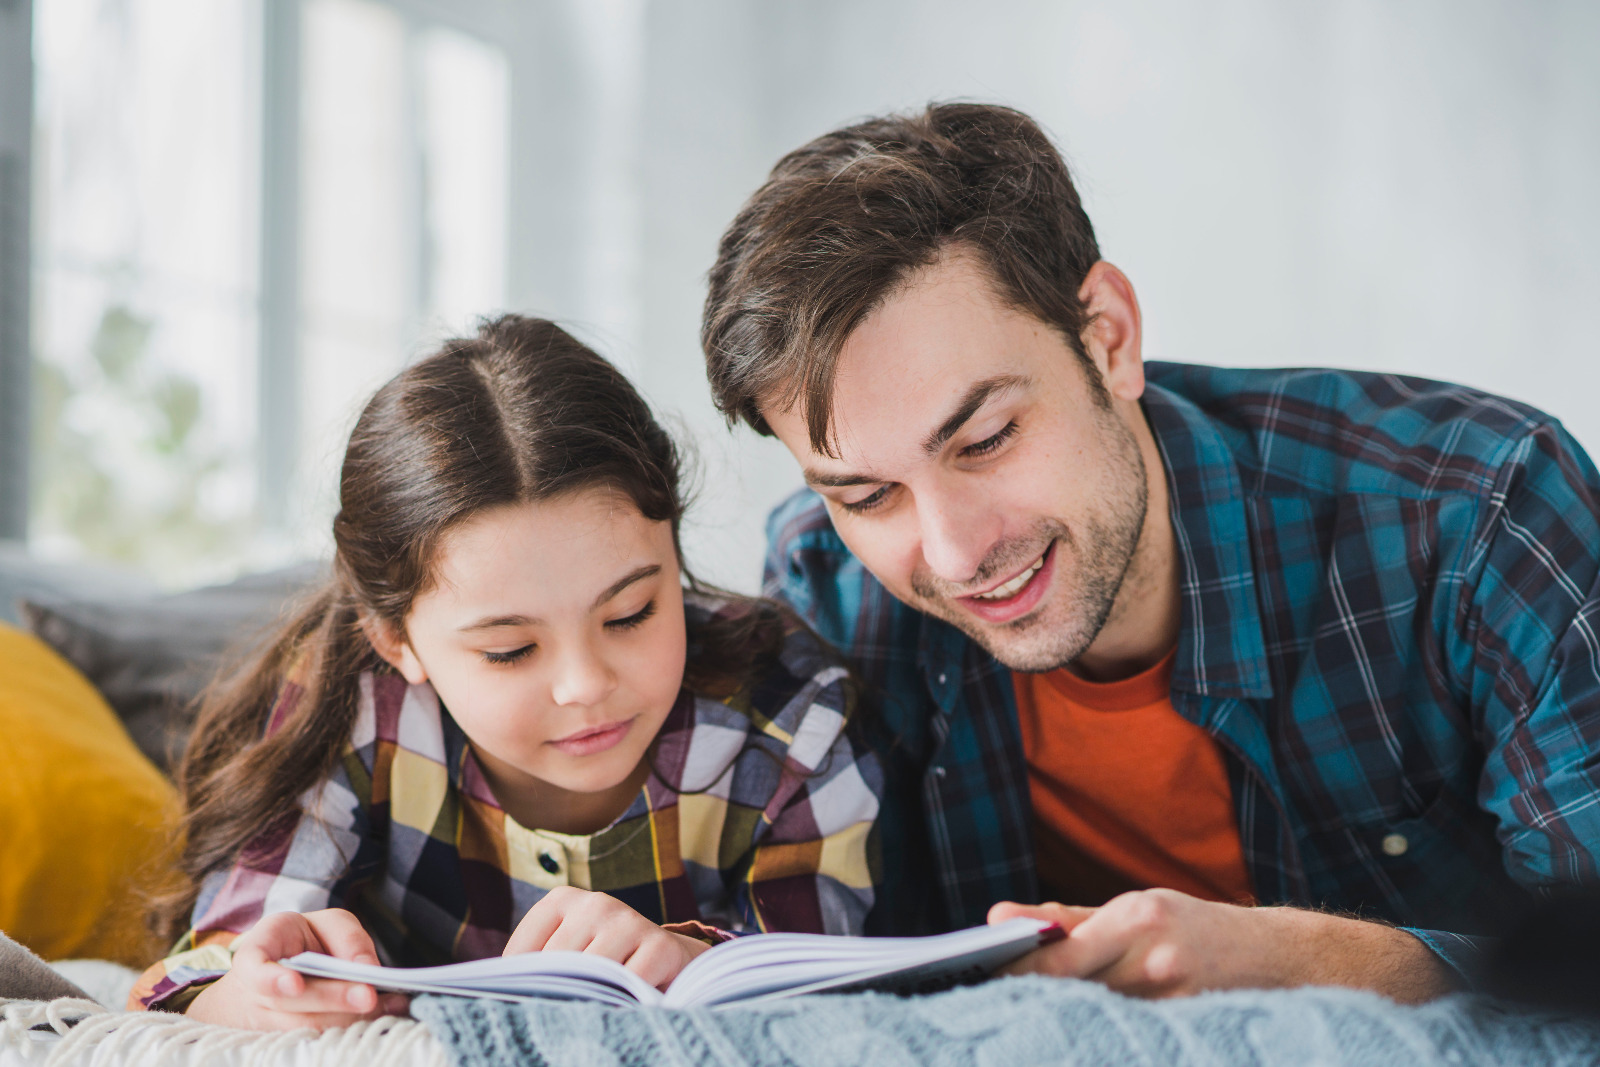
[[120, 470]]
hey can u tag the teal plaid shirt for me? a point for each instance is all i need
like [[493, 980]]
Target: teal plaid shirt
[[1389, 609]]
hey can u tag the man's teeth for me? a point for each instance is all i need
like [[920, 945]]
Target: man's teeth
[[1014, 586]]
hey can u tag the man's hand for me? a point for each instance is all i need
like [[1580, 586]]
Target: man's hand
[[1162, 943], [259, 993], [580, 921]]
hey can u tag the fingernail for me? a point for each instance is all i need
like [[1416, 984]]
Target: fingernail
[[286, 984], [366, 957], [359, 997]]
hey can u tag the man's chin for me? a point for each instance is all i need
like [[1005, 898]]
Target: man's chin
[[1033, 644]]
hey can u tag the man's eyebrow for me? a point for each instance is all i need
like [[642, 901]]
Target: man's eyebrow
[[975, 399], [837, 481], [638, 574]]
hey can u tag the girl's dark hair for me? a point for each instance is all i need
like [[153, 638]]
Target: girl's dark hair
[[522, 412]]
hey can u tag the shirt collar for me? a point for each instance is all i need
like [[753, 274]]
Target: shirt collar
[[1220, 648]]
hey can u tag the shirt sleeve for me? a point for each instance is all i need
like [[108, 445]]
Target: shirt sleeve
[[1531, 627], [811, 864], [310, 860]]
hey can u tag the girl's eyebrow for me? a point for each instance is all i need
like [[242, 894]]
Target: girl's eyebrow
[[638, 574]]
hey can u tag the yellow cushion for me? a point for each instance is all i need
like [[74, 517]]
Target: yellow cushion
[[85, 819]]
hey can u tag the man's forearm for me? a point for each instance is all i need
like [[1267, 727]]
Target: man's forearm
[[1315, 948]]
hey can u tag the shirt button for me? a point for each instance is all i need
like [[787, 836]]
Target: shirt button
[[549, 863], [941, 677], [938, 772], [1395, 845]]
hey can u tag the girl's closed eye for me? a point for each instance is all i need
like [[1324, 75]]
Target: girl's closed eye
[[509, 657], [638, 618]]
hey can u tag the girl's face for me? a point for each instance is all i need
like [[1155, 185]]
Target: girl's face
[[554, 633]]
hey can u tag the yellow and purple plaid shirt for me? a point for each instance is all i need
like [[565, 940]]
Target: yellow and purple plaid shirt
[[758, 816]]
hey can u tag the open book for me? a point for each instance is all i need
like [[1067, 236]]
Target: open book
[[745, 970]]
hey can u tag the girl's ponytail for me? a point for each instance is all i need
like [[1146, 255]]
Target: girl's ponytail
[[235, 779]]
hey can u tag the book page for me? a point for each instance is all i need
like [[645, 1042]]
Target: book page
[[767, 966], [560, 975]]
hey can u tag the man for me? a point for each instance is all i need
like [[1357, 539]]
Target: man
[[1149, 642]]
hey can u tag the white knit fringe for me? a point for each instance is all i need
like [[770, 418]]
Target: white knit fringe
[[92, 1036]]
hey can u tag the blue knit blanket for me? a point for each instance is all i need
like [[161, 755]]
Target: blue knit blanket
[[1016, 1022]]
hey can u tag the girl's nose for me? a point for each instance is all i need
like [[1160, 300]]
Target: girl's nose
[[582, 678]]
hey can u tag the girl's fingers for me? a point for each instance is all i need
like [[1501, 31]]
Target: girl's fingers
[[327, 996], [342, 935], [534, 930], [571, 936], [618, 941], [657, 961]]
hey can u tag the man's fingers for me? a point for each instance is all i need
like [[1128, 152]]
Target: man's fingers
[[1091, 946], [1065, 916]]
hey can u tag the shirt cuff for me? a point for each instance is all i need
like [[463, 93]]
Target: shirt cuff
[[1463, 954], [711, 935], [172, 984]]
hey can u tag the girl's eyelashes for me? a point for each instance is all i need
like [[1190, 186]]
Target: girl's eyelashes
[[636, 619], [989, 444], [509, 657]]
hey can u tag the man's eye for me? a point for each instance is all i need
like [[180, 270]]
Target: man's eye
[[638, 618], [989, 444], [509, 657], [867, 503]]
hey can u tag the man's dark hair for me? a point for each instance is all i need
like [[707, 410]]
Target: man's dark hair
[[842, 222]]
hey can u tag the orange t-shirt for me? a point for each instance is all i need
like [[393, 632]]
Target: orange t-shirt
[[1127, 793]]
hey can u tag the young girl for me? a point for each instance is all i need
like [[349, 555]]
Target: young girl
[[504, 726]]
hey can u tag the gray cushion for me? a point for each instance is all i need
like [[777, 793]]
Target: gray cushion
[[25, 976], [151, 656], [23, 576]]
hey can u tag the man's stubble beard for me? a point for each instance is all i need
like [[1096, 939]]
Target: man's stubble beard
[[1090, 578]]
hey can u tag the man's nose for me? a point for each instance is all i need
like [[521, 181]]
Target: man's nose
[[955, 538], [582, 677]]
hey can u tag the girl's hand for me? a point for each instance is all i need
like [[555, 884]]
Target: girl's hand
[[259, 993], [580, 921]]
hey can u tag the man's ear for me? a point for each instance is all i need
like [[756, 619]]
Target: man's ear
[[395, 650], [1114, 336]]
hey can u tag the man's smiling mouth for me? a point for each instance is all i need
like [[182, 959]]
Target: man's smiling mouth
[[1014, 586]]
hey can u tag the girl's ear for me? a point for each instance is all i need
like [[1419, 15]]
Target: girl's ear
[[395, 650]]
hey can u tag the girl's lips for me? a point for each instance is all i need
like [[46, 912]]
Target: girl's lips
[[593, 739], [1023, 601]]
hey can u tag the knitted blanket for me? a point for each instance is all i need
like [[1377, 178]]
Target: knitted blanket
[[1016, 1022]]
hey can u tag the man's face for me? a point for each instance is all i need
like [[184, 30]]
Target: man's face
[[984, 475]]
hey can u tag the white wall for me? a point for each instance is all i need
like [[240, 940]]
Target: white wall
[[1399, 186]]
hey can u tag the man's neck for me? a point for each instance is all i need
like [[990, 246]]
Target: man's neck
[[1143, 624]]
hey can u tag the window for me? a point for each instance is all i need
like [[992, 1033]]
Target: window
[[247, 215]]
